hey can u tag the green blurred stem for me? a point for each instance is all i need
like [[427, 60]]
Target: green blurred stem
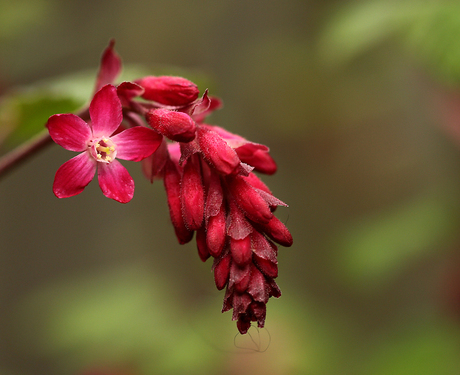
[[23, 152]]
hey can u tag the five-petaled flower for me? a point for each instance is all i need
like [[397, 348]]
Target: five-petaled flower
[[100, 148]]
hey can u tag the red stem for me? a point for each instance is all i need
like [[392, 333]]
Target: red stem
[[27, 149]]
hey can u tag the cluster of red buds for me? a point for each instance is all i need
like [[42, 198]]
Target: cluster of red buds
[[208, 174]]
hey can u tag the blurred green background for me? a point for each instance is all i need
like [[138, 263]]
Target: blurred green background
[[359, 102]]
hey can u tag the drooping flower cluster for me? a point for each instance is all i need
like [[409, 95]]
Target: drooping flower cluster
[[208, 174]]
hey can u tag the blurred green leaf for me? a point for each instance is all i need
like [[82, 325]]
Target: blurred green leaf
[[24, 111], [433, 36], [357, 27], [374, 249], [428, 29], [429, 349], [119, 316]]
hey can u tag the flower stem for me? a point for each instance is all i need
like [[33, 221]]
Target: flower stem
[[27, 149], [24, 151]]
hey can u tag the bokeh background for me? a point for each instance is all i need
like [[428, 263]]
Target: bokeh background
[[359, 103]]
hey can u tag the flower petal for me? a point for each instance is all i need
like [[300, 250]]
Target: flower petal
[[105, 112], [136, 143], [126, 91], [257, 156], [69, 131], [115, 181], [73, 176], [110, 67]]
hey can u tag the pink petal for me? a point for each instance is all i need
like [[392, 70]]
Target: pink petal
[[202, 105], [110, 67], [115, 181], [127, 91], [69, 131], [105, 112], [73, 176], [257, 156], [136, 143], [153, 165], [199, 114]]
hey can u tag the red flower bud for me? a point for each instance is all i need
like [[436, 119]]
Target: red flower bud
[[241, 250], [203, 250], [168, 90], [239, 277], [277, 231], [249, 200], [192, 195], [216, 233], [172, 187], [221, 269], [216, 151], [177, 126]]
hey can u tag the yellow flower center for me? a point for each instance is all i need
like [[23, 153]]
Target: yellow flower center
[[104, 150]]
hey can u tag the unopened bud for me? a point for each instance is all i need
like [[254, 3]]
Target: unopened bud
[[177, 126], [169, 90]]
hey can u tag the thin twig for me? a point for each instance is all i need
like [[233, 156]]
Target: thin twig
[[24, 151], [27, 149]]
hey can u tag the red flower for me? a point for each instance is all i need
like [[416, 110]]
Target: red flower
[[211, 190], [207, 172], [99, 149]]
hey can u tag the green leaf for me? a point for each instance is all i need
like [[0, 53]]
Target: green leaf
[[356, 28], [120, 315], [374, 249], [25, 111], [428, 30], [431, 348]]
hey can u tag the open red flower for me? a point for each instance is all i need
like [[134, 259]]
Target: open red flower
[[99, 148]]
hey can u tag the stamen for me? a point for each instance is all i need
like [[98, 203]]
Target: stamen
[[104, 150]]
